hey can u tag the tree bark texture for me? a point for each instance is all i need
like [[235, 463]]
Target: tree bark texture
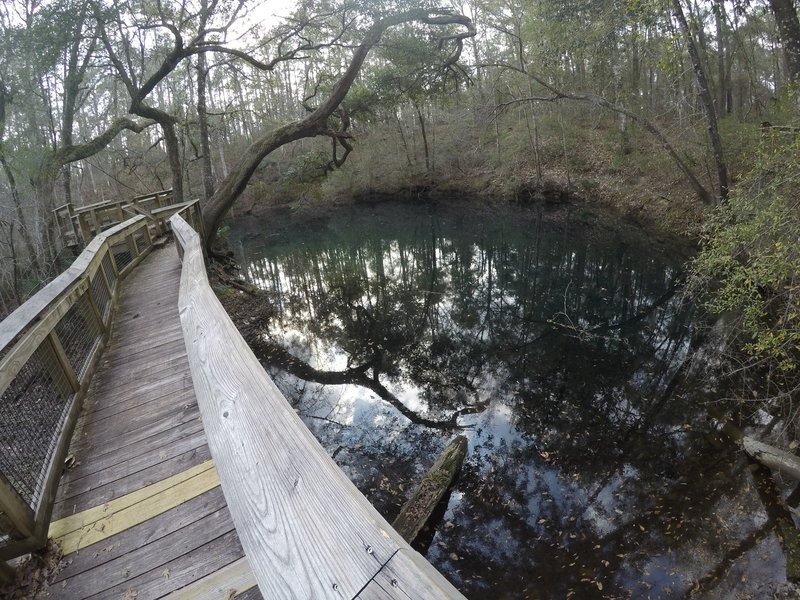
[[418, 509], [789, 32], [706, 99]]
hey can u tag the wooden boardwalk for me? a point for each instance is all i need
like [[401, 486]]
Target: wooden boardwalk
[[140, 513]]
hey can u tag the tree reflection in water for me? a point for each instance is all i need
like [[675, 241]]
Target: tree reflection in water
[[589, 472]]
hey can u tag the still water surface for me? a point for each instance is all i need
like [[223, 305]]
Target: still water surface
[[562, 353]]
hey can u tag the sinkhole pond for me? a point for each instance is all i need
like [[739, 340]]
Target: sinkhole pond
[[565, 354]]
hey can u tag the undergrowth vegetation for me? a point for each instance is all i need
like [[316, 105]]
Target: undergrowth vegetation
[[749, 271]]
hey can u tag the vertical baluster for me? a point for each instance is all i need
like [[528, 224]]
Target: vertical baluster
[[86, 230], [95, 310], [64, 363], [133, 246], [95, 223]]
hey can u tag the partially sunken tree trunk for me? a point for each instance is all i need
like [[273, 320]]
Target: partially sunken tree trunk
[[418, 509], [772, 457]]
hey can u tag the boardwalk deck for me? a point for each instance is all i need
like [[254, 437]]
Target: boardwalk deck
[[141, 513]]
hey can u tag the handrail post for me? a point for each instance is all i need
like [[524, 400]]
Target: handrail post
[[96, 223], [101, 269], [63, 361], [95, 309], [19, 517], [86, 230], [133, 246]]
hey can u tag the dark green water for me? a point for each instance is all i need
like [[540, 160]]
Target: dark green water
[[562, 353]]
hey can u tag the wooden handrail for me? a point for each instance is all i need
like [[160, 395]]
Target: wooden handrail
[[90, 286], [306, 529], [88, 221]]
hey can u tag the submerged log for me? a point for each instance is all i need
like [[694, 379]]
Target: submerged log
[[417, 510], [789, 465], [772, 457]]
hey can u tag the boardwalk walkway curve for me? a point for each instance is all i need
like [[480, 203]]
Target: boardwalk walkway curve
[[179, 403]]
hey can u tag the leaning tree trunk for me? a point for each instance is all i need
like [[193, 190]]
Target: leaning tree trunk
[[706, 99], [316, 122]]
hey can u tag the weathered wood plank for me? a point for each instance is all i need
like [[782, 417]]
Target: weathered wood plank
[[139, 423], [95, 524], [96, 470], [251, 594], [279, 482], [169, 420], [124, 483], [172, 521], [150, 557], [179, 572], [121, 375], [231, 581], [75, 522], [141, 359], [173, 392]]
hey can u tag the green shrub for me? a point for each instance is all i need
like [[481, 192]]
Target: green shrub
[[749, 265]]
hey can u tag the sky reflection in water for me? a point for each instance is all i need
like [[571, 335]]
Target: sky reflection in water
[[589, 472]]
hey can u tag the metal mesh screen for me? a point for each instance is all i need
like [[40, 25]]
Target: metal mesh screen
[[100, 294], [141, 239], [111, 274], [78, 331], [32, 411], [123, 255]]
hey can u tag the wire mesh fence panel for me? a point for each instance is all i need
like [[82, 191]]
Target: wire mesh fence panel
[[111, 274], [100, 294], [123, 255], [32, 412], [195, 217], [79, 331], [141, 238]]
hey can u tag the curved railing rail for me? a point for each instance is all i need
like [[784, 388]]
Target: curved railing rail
[[81, 224], [49, 348], [307, 531]]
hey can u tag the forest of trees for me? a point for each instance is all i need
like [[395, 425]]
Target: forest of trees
[[664, 106]]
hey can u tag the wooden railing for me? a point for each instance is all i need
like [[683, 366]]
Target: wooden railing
[[84, 223], [306, 529], [49, 348]]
